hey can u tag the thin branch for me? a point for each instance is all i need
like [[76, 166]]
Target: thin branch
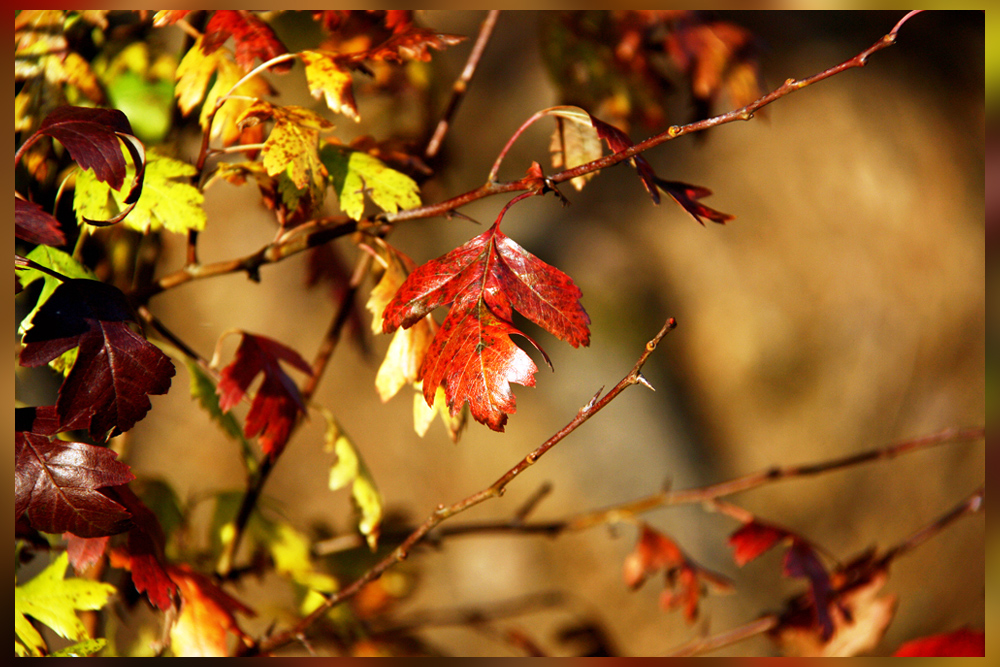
[[727, 638], [743, 113], [462, 83], [443, 512], [974, 503]]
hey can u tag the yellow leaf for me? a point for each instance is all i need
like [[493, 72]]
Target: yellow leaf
[[423, 415], [292, 144], [351, 469], [328, 78], [227, 75]]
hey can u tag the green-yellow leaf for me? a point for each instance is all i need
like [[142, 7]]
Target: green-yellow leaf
[[60, 262], [203, 390], [351, 469], [292, 145], [81, 649], [53, 600], [354, 174], [168, 199]]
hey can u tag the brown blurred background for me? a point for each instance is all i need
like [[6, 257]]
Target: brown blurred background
[[843, 309]]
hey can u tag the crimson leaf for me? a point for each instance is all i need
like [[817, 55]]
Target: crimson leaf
[[34, 225], [56, 483], [142, 554], [115, 369], [277, 402], [472, 353], [253, 38], [682, 193]]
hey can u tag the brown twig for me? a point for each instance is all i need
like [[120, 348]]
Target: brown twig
[[462, 83], [444, 512], [727, 638]]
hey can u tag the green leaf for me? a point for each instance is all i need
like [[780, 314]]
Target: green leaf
[[53, 600], [354, 174], [168, 200], [58, 261], [203, 390], [351, 469]]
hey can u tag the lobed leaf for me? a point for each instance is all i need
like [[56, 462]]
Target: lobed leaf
[[53, 600], [57, 485], [252, 38], [34, 225], [116, 369], [329, 77], [353, 174]]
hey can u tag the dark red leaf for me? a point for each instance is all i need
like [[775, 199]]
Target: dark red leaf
[[142, 554], [958, 644], [682, 193], [277, 402], [115, 370], [801, 561], [42, 420], [34, 225], [472, 354], [253, 38], [753, 539], [84, 551], [92, 138], [56, 484], [413, 43], [686, 195]]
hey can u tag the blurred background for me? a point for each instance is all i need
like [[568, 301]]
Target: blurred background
[[842, 309]]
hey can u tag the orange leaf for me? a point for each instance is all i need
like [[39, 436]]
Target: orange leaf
[[207, 615]]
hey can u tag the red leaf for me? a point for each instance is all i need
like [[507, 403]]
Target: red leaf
[[682, 193], [685, 195], [56, 483], [472, 354], [801, 561], [92, 138], [207, 614], [253, 38], [684, 579], [116, 368], [34, 225], [753, 539], [958, 644], [84, 551], [277, 402], [412, 43], [142, 554]]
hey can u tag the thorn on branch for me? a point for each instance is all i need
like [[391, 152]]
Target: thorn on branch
[[644, 382]]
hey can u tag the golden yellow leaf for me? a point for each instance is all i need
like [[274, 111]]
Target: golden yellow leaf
[[328, 78]]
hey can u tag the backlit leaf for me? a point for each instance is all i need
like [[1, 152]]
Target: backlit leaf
[[354, 174], [57, 484], [472, 353], [251, 36], [53, 600], [960, 643], [292, 145], [277, 402], [575, 142], [351, 469], [207, 616], [168, 200], [330, 79], [115, 370]]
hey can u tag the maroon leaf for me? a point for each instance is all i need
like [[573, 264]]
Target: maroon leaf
[[960, 643], [42, 420], [92, 138], [56, 484], [253, 38], [472, 354], [753, 539], [682, 193], [277, 402], [34, 225], [801, 561], [115, 370]]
